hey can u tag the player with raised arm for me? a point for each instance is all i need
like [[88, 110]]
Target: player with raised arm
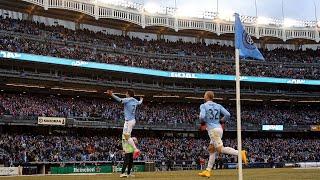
[[130, 106], [210, 116]]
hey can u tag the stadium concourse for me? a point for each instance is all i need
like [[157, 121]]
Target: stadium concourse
[[58, 118]]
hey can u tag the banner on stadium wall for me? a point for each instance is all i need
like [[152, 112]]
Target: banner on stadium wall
[[9, 171], [144, 71], [272, 127], [52, 121], [308, 164], [315, 127], [136, 168], [81, 169]]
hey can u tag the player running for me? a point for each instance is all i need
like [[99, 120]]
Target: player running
[[130, 106], [210, 113]]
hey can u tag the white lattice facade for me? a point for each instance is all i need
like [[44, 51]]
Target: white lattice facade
[[143, 19]]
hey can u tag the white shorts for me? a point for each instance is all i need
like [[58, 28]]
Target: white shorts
[[216, 136], [128, 126]]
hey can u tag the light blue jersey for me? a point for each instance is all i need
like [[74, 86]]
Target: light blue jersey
[[210, 113], [130, 106]]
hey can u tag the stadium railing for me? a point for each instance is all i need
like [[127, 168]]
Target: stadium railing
[[91, 122]]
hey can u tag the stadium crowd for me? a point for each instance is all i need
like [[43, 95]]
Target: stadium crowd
[[52, 148], [54, 42], [199, 66], [24, 106]]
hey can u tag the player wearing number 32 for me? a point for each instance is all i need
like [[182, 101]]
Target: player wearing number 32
[[210, 115], [130, 106]]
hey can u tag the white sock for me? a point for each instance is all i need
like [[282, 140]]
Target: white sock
[[229, 150], [130, 141], [211, 161]]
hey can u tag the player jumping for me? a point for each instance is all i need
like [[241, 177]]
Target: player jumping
[[130, 106], [210, 115]]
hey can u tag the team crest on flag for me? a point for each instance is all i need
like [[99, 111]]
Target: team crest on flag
[[244, 42], [247, 41]]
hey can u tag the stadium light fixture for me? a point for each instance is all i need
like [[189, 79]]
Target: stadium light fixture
[[226, 15], [151, 7], [113, 2], [188, 11], [26, 85], [218, 98], [314, 101], [122, 3], [256, 100], [75, 90], [139, 95], [190, 97], [121, 94], [290, 22], [263, 20], [165, 96], [280, 100]]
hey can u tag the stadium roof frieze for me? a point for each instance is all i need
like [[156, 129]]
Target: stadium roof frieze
[[307, 30]]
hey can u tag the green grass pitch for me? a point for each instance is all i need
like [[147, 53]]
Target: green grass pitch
[[248, 174]]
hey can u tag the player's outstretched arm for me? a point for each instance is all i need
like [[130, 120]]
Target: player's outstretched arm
[[114, 96], [141, 100]]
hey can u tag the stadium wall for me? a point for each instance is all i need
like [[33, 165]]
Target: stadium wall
[[140, 35], [275, 46], [310, 46], [53, 22], [218, 41], [101, 29], [11, 14], [181, 38]]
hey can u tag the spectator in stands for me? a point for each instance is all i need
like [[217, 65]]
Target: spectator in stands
[[39, 148], [31, 106], [202, 58]]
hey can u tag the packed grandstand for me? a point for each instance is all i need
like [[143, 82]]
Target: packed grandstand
[[57, 41], [168, 120]]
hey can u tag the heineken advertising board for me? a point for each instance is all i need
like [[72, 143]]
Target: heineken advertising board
[[81, 169]]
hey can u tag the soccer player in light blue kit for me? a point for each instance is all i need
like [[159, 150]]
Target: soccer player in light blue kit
[[210, 115], [130, 106]]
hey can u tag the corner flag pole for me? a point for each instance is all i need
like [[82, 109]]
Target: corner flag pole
[[238, 115]]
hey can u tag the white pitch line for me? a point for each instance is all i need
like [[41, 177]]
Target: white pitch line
[[307, 168]]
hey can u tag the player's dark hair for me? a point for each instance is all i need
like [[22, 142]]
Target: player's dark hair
[[130, 92]]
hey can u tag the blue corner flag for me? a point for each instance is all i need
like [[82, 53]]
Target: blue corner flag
[[244, 43]]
